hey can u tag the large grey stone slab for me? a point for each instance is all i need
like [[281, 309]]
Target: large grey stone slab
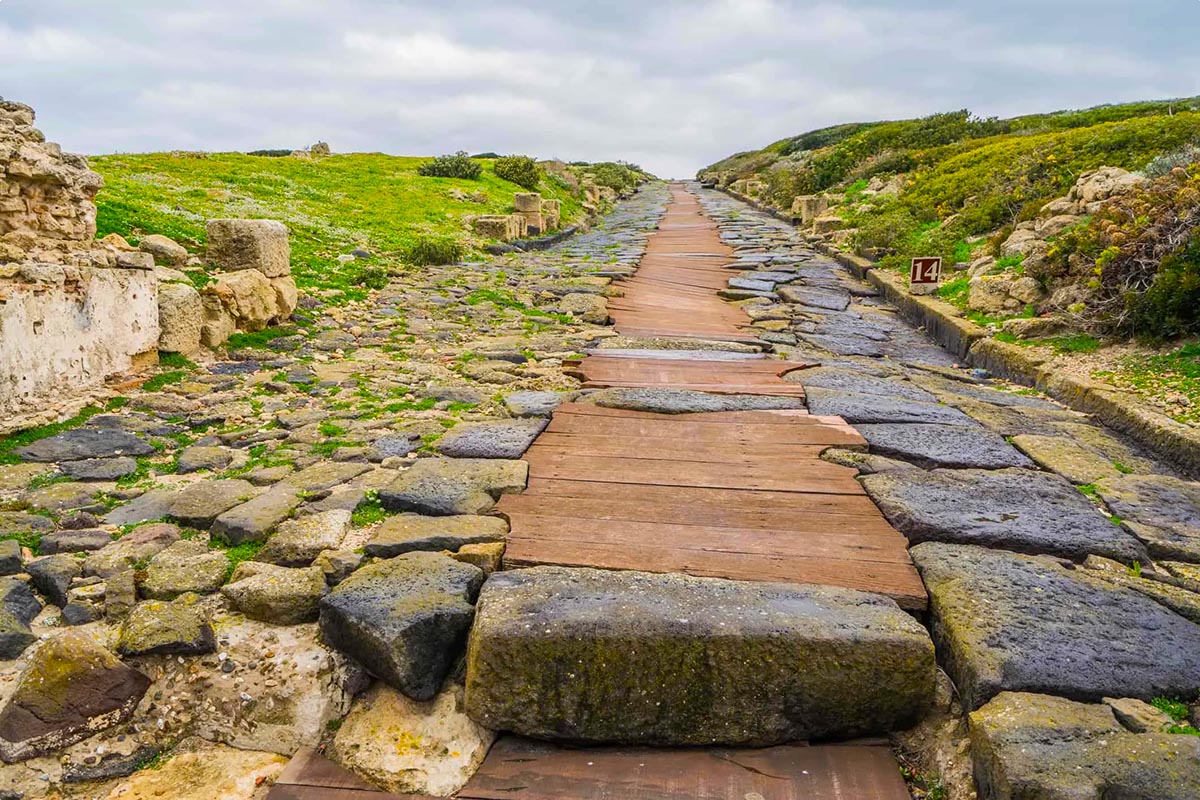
[[1016, 509], [952, 446], [829, 299], [682, 401], [846, 380], [1009, 622], [1162, 511], [447, 486], [856, 407], [532, 404], [85, 443], [500, 439], [404, 619], [298, 542], [597, 656], [1037, 746], [18, 609]]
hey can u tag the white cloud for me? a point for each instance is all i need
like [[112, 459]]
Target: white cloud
[[673, 84]]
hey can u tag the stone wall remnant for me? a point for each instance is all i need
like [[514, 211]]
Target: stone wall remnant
[[240, 244]]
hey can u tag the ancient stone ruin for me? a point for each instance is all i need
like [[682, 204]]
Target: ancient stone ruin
[[75, 311]]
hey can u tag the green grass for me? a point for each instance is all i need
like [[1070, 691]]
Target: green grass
[[1173, 373], [259, 339], [246, 551], [1178, 711], [369, 512], [331, 205]]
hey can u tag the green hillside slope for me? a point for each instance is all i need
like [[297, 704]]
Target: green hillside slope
[[331, 204]]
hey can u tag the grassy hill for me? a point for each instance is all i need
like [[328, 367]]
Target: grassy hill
[[960, 183], [332, 204]]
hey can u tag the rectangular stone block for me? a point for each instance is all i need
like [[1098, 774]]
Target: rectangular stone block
[[261, 244], [535, 223], [493, 226], [631, 657], [527, 202], [809, 207]]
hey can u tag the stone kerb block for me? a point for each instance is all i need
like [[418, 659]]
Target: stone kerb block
[[241, 244]]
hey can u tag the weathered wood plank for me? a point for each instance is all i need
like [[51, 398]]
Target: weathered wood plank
[[518, 769]]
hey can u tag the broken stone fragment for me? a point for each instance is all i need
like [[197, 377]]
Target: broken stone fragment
[[185, 566], [71, 689], [18, 609], [405, 746], [155, 627], [180, 318], [404, 619], [165, 250], [278, 595], [448, 486], [406, 533], [298, 542]]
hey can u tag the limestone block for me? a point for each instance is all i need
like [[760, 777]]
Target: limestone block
[[493, 226], [527, 202], [247, 296], [258, 244], [535, 223], [180, 318], [809, 207], [164, 250], [287, 296]]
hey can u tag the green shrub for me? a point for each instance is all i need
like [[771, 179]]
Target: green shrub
[[458, 165], [370, 277], [270, 153], [434, 250], [615, 175], [521, 170]]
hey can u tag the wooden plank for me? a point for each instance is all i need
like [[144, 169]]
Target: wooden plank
[[709, 431], [836, 480], [850, 544], [702, 497], [829, 521], [518, 769], [897, 581], [673, 449], [312, 776]]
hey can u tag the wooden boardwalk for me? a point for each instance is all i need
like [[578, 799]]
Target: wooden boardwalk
[[738, 495], [741, 376], [518, 769], [674, 291]]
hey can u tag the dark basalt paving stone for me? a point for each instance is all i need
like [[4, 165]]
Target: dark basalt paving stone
[[956, 389], [953, 446], [1009, 622], [1015, 509], [833, 300], [500, 439], [100, 469], [1162, 511], [682, 401], [856, 407], [84, 443], [847, 380], [1038, 746], [845, 345]]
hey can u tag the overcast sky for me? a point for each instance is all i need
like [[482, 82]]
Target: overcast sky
[[670, 85]]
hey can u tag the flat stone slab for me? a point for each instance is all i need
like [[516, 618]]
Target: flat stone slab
[[1015, 509], [855, 407], [1162, 511], [1038, 746], [406, 533], [448, 486], [501, 439], [299, 541], [1078, 464], [532, 404], [198, 505], [845, 380], [831, 300], [952, 446], [682, 401], [100, 469], [631, 657], [85, 443], [1009, 622], [404, 619]]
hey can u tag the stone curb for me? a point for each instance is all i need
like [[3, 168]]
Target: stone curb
[[527, 245], [1173, 440]]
